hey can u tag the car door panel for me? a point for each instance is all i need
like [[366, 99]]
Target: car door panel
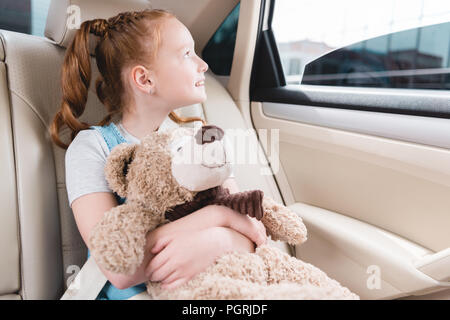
[[366, 182]]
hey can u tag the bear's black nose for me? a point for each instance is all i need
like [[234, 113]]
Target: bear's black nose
[[208, 134]]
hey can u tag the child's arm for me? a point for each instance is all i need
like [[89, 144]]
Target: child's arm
[[173, 272], [89, 209]]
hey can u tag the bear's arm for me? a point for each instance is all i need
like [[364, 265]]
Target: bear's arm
[[281, 223], [118, 241]]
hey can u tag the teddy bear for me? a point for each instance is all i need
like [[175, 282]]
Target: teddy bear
[[173, 173]]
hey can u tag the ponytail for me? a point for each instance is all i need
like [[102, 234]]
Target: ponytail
[[76, 79]]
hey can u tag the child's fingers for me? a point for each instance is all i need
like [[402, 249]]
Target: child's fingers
[[156, 263], [248, 227], [262, 233], [171, 277], [160, 244], [163, 272]]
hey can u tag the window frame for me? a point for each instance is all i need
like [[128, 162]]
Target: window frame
[[206, 47]]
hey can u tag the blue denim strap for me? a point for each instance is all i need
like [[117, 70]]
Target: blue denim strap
[[113, 137], [111, 134]]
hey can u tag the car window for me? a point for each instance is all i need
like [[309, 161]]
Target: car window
[[25, 16], [415, 59], [218, 52], [387, 43]]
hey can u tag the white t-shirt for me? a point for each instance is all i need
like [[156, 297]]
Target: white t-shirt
[[86, 158]]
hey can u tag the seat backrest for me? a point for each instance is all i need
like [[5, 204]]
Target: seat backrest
[[40, 245]]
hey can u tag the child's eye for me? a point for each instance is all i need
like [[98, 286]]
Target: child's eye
[[188, 53]]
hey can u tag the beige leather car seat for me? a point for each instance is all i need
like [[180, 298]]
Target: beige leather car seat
[[40, 246]]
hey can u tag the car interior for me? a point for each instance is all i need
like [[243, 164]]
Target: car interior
[[371, 186]]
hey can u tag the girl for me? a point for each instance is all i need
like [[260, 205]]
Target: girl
[[148, 68]]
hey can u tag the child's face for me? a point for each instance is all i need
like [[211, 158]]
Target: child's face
[[178, 71]]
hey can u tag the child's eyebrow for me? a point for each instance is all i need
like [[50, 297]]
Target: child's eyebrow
[[187, 44]]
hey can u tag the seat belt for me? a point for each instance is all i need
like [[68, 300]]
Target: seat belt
[[87, 284]]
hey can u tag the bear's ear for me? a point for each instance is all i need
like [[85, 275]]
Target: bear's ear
[[116, 168]]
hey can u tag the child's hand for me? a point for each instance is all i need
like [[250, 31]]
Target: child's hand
[[248, 226], [181, 256]]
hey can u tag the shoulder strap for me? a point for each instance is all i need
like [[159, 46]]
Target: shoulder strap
[[90, 280], [87, 284], [112, 137], [111, 134]]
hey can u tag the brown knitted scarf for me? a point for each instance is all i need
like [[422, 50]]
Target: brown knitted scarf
[[245, 202]]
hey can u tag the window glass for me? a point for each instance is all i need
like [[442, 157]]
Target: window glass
[[218, 52], [308, 29], [26, 16], [416, 58]]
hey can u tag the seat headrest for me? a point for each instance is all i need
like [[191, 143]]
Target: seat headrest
[[63, 15]]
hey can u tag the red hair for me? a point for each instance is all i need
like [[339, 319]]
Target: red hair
[[120, 45]]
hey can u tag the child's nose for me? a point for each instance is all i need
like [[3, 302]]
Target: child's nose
[[203, 66]]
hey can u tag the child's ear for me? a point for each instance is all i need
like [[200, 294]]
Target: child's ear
[[116, 168]]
